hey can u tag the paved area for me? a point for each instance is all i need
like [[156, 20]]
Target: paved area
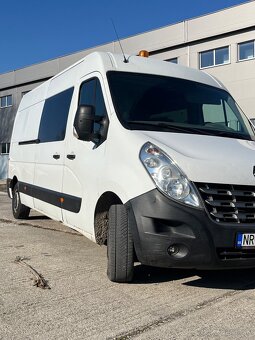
[[83, 304], [2, 185]]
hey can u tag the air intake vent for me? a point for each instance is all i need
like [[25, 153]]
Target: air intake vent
[[229, 203], [235, 254]]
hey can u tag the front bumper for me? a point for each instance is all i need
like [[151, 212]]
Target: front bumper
[[158, 222]]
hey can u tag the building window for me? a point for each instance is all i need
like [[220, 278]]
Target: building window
[[4, 148], [173, 60], [246, 50], [5, 101], [218, 56]]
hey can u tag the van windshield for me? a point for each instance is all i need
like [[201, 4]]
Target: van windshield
[[159, 103]]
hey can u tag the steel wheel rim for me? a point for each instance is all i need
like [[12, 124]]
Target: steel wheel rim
[[16, 201]]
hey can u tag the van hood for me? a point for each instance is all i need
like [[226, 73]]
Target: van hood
[[209, 159]]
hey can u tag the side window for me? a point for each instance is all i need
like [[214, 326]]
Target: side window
[[91, 94], [54, 117]]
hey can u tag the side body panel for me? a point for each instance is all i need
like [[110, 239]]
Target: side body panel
[[23, 149], [82, 172]]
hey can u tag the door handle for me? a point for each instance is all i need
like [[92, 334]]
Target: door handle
[[56, 156], [71, 156]]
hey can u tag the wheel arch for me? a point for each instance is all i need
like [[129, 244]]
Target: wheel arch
[[10, 185], [105, 201]]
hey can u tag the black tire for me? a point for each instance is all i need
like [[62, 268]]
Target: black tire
[[19, 210], [120, 247]]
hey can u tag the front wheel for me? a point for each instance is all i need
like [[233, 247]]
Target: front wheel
[[120, 247], [19, 210]]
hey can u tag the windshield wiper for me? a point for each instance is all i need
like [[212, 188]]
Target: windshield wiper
[[231, 134], [184, 129], [171, 127]]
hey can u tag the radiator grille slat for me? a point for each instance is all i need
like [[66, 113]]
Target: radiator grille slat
[[229, 203]]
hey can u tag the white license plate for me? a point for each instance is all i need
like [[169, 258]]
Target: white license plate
[[245, 240]]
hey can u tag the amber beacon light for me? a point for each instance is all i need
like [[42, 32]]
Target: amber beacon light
[[144, 54]]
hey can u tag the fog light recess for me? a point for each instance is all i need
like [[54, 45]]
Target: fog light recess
[[177, 250]]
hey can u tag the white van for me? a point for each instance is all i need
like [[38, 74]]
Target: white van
[[155, 160]]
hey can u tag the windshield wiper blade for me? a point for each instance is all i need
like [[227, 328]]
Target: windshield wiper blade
[[231, 134], [171, 127], [184, 129]]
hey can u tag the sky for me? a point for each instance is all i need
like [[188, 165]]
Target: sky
[[33, 31]]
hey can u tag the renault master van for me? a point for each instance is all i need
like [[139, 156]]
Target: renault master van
[[152, 159]]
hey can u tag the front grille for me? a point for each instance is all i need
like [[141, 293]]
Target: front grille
[[235, 254], [229, 203]]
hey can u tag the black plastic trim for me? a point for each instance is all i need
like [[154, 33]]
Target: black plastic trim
[[31, 141], [58, 199], [8, 186], [158, 222]]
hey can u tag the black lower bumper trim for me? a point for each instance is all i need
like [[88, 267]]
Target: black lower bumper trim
[[168, 234]]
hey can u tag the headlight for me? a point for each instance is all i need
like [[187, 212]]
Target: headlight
[[167, 176]]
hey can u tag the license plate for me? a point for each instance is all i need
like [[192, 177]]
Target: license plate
[[245, 240]]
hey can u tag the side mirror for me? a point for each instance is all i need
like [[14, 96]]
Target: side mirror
[[84, 122]]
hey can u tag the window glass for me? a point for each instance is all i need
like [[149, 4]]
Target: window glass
[[157, 103], [5, 148], [23, 93], [232, 119], [221, 114], [246, 50], [99, 101], [54, 117], [213, 113], [206, 59], [173, 60], [9, 100], [221, 56], [6, 101], [218, 56], [3, 101], [88, 92], [91, 94]]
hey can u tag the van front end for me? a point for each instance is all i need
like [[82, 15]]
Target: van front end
[[171, 234], [188, 224], [199, 151]]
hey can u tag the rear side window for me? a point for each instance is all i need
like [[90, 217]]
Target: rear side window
[[54, 117]]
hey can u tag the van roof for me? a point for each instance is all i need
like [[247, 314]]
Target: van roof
[[152, 65], [106, 61]]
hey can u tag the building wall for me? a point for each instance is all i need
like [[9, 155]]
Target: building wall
[[3, 166]]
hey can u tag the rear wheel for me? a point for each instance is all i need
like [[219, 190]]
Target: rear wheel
[[120, 247], [19, 210]]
